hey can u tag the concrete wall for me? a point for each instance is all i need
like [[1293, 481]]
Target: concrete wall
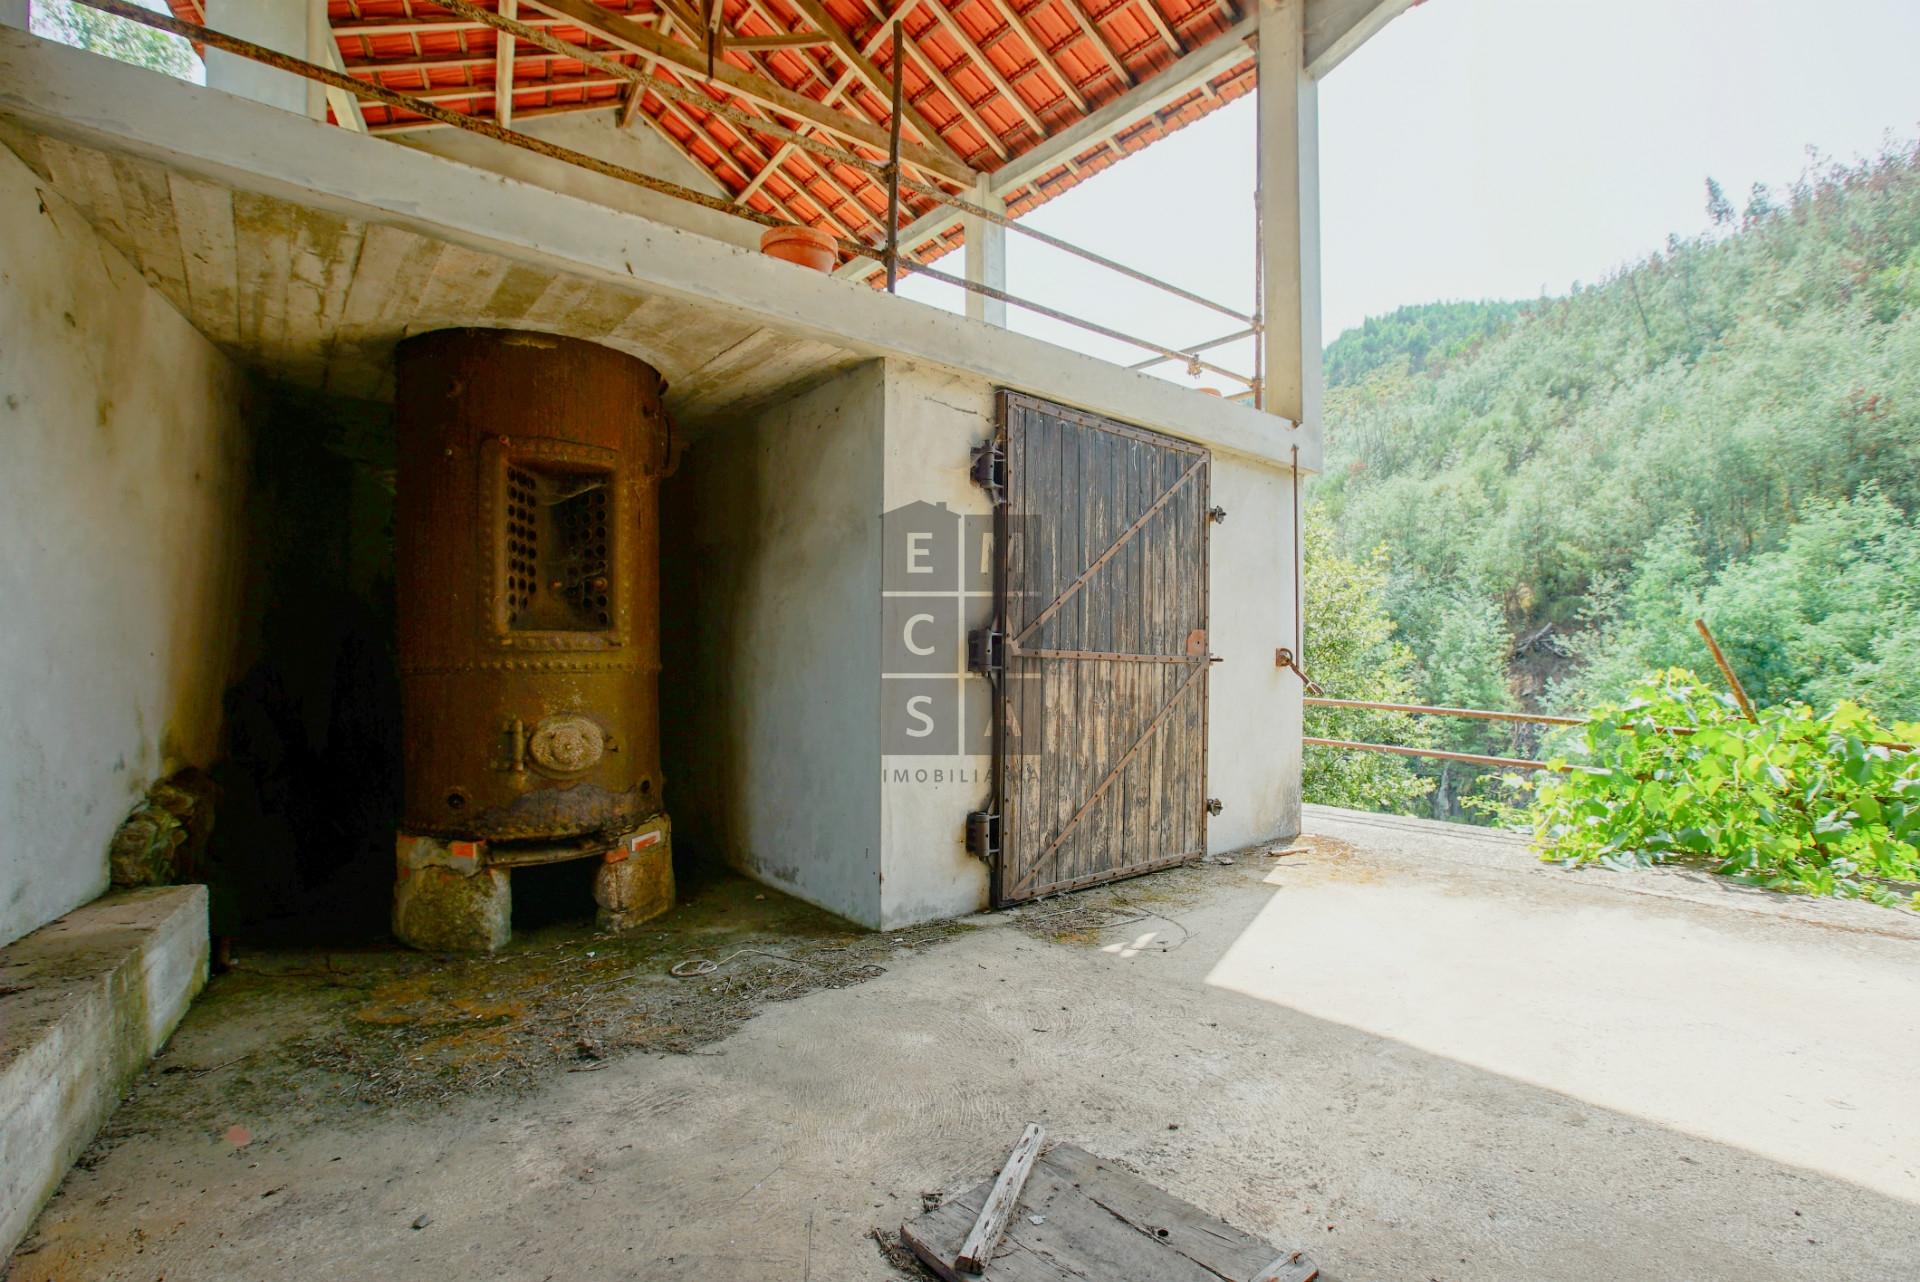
[[934, 421], [770, 648], [122, 465], [807, 644], [598, 134]]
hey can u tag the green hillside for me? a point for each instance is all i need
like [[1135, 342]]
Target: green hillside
[[1549, 494]]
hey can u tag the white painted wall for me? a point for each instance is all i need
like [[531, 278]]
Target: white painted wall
[[1253, 707], [770, 697], [934, 421], [122, 465], [598, 134]]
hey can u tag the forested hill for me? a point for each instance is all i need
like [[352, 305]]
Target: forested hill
[[1730, 427], [1417, 339]]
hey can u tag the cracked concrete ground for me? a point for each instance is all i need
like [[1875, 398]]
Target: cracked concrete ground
[[1414, 1051]]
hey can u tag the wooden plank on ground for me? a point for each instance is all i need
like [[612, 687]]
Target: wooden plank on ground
[[997, 1210], [1083, 1217]]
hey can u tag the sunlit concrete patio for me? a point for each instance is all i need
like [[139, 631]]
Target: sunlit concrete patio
[[1413, 1050]]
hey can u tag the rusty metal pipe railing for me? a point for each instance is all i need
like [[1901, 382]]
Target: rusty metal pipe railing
[[1197, 348], [893, 169], [1027, 304], [1508, 763], [1481, 714]]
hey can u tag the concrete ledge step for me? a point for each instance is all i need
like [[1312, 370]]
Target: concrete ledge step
[[85, 1002]]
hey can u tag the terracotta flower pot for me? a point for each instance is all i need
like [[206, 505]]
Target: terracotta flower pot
[[802, 246]]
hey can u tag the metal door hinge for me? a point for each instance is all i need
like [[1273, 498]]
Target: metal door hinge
[[989, 470], [1217, 515], [1215, 806], [983, 835], [986, 650]]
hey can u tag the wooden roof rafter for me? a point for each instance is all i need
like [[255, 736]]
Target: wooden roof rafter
[[994, 86]]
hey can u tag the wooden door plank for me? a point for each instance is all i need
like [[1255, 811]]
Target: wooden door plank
[[1192, 677], [1117, 679], [1069, 627], [1136, 635], [1111, 564], [1073, 587]]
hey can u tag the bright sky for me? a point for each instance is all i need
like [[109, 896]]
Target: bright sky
[[1488, 149]]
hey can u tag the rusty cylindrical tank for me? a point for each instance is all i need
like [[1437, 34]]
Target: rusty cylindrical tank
[[528, 582]]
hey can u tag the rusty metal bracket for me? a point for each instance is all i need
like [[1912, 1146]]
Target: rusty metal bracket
[[1285, 658], [987, 650], [989, 470], [983, 835], [1215, 806]]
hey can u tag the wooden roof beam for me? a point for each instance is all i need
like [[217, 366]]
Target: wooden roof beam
[[631, 107], [941, 161], [992, 73], [931, 69], [1159, 24], [1010, 11], [1218, 55], [877, 80], [1078, 13]]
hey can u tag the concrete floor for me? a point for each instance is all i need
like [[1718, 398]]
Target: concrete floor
[[1415, 1052]]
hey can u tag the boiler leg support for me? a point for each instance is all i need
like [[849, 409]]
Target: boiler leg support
[[446, 903], [634, 883]]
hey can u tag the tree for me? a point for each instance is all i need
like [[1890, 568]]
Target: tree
[[103, 33], [1728, 429], [1352, 654], [1719, 208]]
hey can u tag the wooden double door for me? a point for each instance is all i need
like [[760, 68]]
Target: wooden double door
[[1102, 655]]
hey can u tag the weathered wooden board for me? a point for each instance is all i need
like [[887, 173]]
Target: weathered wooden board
[[995, 1214], [1104, 584], [1097, 1221]]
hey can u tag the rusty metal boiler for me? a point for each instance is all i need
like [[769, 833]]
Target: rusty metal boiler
[[527, 545]]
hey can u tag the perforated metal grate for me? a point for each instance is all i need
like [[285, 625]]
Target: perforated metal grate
[[558, 550], [523, 543]]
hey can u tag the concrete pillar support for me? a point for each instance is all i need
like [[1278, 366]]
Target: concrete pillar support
[[1289, 160], [986, 256], [297, 27], [16, 13]]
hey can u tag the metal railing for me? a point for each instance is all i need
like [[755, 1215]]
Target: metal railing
[[1421, 709], [1312, 700], [890, 255]]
